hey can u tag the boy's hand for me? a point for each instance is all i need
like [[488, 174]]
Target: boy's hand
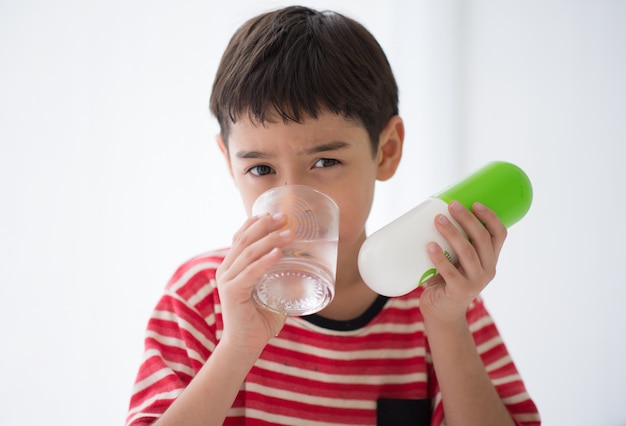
[[256, 247], [448, 295]]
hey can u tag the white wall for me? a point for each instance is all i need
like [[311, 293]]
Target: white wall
[[109, 178], [547, 88]]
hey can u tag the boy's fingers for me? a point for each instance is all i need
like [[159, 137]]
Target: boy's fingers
[[493, 224], [458, 241], [478, 249], [246, 262], [252, 244], [244, 281], [445, 268], [253, 229], [485, 231]]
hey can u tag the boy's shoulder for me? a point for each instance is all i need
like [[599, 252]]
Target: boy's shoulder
[[196, 274]]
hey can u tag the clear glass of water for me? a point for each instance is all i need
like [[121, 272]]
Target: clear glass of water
[[302, 282]]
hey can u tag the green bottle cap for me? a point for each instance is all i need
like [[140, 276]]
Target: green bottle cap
[[501, 186]]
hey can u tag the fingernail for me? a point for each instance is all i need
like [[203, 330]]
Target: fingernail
[[274, 251], [285, 233], [478, 206], [442, 219], [455, 205], [432, 247], [279, 217]]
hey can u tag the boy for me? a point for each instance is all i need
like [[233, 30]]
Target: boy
[[304, 97]]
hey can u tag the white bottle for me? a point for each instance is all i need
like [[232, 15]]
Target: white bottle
[[394, 260]]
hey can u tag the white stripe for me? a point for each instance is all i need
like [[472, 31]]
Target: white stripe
[[280, 419], [137, 412], [480, 324], [196, 298], [177, 343], [210, 320], [174, 366], [382, 353], [342, 378], [506, 380], [204, 291], [376, 328], [400, 303], [499, 364], [184, 278], [310, 399], [174, 295], [489, 344], [151, 379], [516, 399], [185, 325]]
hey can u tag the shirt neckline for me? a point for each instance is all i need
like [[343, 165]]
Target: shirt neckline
[[351, 324]]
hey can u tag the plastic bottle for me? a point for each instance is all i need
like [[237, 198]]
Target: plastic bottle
[[394, 261]]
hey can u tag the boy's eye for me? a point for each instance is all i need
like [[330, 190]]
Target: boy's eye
[[326, 162], [261, 170]]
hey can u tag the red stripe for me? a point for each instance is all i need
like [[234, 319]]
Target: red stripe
[[303, 385], [302, 409], [215, 257], [372, 366]]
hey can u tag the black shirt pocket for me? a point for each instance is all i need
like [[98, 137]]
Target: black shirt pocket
[[403, 412]]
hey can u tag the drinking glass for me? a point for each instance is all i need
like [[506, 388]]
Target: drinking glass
[[302, 282]]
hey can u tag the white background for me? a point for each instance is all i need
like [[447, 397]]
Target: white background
[[110, 178]]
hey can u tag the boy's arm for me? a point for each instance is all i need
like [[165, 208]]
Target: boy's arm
[[209, 396], [247, 327], [468, 395]]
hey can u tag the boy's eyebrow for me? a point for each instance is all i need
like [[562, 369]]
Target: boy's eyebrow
[[252, 154], [330, 146], [325, 147]]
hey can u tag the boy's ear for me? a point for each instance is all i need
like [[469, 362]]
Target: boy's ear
[[390, 148], [222, 146]]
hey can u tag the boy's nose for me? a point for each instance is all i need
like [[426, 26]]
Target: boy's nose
[[296, 182], [294, 179]]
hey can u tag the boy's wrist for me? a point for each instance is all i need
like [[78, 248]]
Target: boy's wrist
[[445, 325], [241, 352]]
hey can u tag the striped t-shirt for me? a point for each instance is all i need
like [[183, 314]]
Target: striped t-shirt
[[375, 369]]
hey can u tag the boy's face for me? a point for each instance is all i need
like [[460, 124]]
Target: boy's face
[[330, 153]]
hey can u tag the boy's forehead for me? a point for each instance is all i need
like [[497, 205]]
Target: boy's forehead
[[331, 131]]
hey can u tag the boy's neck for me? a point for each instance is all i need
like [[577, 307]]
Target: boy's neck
[[352, 296], [349, 303]]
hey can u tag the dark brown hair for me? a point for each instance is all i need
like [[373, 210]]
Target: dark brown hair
[[296, 62]]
